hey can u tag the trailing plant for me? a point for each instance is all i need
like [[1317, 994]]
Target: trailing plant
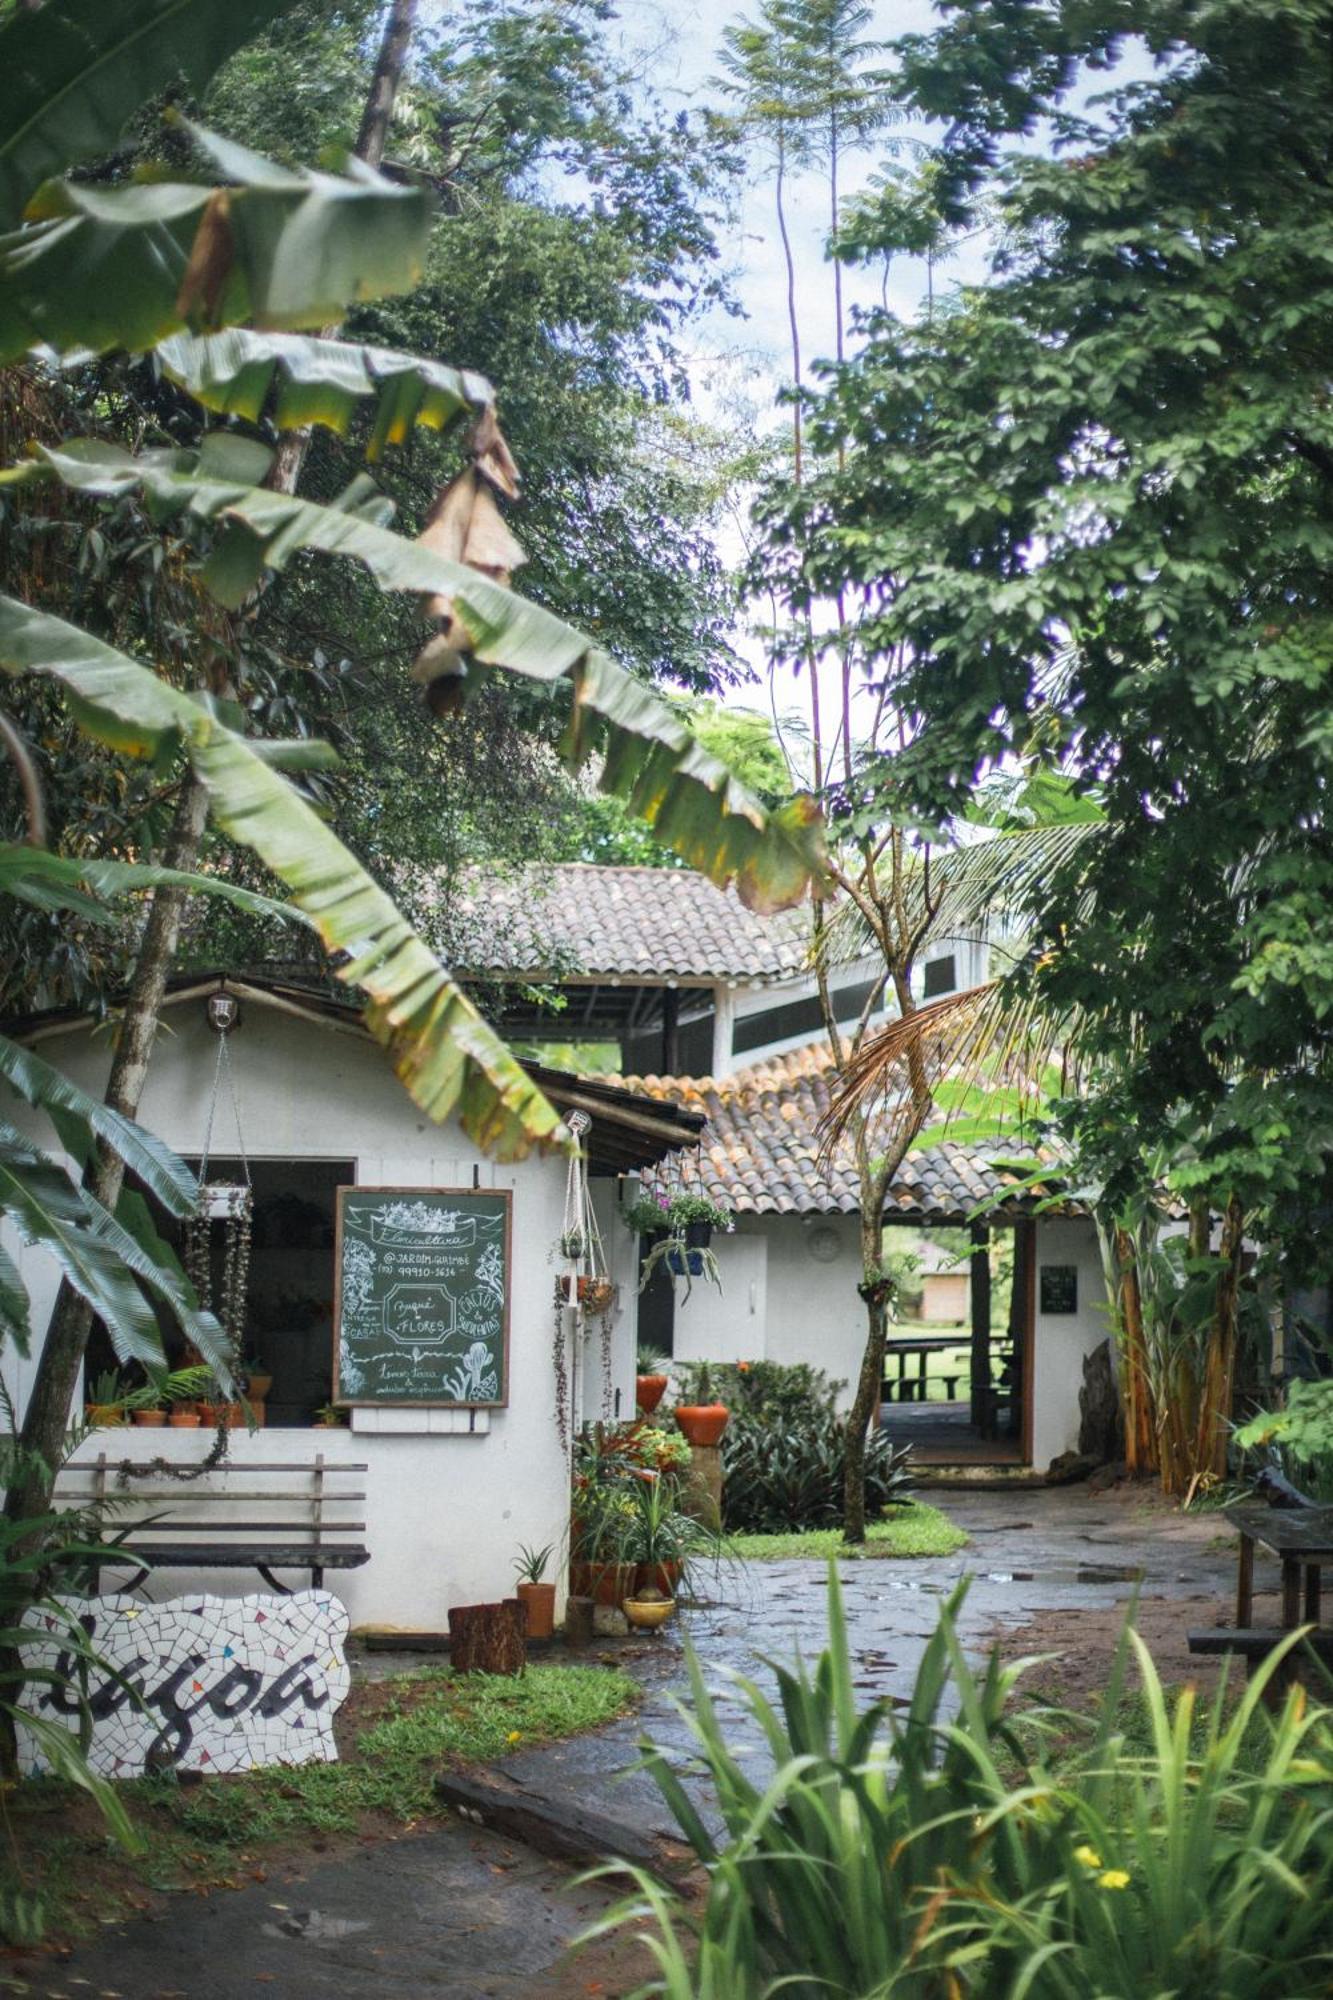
[[680, 1260], [788, 1471], [687, 1208], [970, 1844]]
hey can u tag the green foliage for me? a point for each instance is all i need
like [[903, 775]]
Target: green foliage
[[1079, 549], [530, 1565], [69, 84], [98, 268], [913, 1530], [1302, 1432], [968, 1845], [772, 1391], [787, 1470]]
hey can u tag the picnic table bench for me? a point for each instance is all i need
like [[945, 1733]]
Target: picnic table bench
[[295, 1516], [1301, 1537], [910, 1386]]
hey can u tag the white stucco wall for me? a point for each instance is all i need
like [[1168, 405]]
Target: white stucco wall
[[778, 1301], [1063, 1340], [808, 1310], [448, 1506]]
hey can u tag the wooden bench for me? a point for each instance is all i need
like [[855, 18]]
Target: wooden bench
[[296, 1516], [1255, 1642]]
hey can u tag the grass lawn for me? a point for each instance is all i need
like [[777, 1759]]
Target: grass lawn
[[912, 1530], [394, 1736]]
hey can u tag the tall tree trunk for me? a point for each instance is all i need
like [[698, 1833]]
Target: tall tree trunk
[[290, 456], [870, 1381], [384, 84], [47, 1416]]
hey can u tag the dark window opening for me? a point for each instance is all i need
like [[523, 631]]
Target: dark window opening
[[289, 1313], [657, 1307], [940, 975], [796, 1017]]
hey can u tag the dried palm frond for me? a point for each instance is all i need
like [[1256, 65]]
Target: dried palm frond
[[984, 1036]]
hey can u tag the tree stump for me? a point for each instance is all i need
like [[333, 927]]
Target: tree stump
[[578, 1621], [487, 1638], [701, 1488]]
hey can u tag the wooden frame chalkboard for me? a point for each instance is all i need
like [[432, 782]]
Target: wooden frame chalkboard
[[1059, 1288], [421, 1297]]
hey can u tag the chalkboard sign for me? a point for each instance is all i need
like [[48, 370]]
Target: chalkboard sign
[[422, 1308], [1059, 1288]]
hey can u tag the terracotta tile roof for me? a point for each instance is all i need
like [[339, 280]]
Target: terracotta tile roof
[[759, 1151], [576, 917]]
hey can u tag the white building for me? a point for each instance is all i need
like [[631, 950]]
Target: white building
[[451, 1492], [714, 1009]]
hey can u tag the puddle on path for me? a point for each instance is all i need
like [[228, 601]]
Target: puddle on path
[[1105, 1573]]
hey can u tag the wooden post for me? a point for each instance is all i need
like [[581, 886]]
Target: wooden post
[[1245, 1583], [982, 1402]]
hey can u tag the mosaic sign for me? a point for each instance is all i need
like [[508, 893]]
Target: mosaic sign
[[197, 1684], [423, 1296]]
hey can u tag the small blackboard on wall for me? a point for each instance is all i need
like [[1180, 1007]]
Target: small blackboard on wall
[[421, 1312], [1059, 1288]]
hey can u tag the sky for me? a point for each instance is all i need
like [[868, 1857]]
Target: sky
[[744, 361]]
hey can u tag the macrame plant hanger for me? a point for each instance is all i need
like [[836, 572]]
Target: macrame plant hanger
[[586, 1288], [232, 1204], [228, 1203]]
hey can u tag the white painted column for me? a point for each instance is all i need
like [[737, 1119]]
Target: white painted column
[[724, 1021]]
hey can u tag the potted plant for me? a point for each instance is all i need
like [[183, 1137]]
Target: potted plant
[[331, 1417], [596, 1295], [651, 1381], [258, 1380], [648, 1610], [536, 1595], [602, 1515], [647, 1216], [698, 1414], [107, 1403], [573, 1244], [659, 1538], [693, 1218]]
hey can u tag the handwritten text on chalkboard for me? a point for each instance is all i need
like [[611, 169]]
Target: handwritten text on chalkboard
[[423, 1296]]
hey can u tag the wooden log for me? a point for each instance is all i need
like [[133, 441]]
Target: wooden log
[[487, 1638], [554, 1826]]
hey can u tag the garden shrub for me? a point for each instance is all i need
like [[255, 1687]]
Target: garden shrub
[[787, 1472], [968, 1847]]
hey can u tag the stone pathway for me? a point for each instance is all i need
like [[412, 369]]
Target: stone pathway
[[459, 1912]]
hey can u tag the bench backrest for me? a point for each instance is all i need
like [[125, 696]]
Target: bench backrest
[[317, 1500]]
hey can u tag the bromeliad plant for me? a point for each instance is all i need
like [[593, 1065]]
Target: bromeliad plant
[[967, 1845]]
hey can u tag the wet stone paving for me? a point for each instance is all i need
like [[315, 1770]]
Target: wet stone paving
[[459, 1911]]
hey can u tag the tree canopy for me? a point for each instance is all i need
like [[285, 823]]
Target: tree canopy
[[1086, 511]]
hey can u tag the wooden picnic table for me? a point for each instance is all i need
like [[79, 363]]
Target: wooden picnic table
[[910, 1386], [1302, 1540]]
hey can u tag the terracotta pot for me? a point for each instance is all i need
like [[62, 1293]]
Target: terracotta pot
[[538, 1601], [605, 1583], [596, 1295], [702, 1423], [151, 1420], [257, 1387], [646, 1614], [664, 1578], [185, 1420], [649, 1391]]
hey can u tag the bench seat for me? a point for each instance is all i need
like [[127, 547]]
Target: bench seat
[[1255, 1642], [185, 1524]]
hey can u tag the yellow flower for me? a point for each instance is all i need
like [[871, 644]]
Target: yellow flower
[[514, 1736], [1088, 1856], [1114, 1878]]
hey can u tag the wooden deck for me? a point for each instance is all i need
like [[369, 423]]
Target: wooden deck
[[941, 1434]]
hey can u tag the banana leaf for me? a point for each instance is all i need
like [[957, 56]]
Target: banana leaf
[[85, 888], [72, 74], [441, 1048], [304, 381], [651, 759], [97, 268], [40, 1084]]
